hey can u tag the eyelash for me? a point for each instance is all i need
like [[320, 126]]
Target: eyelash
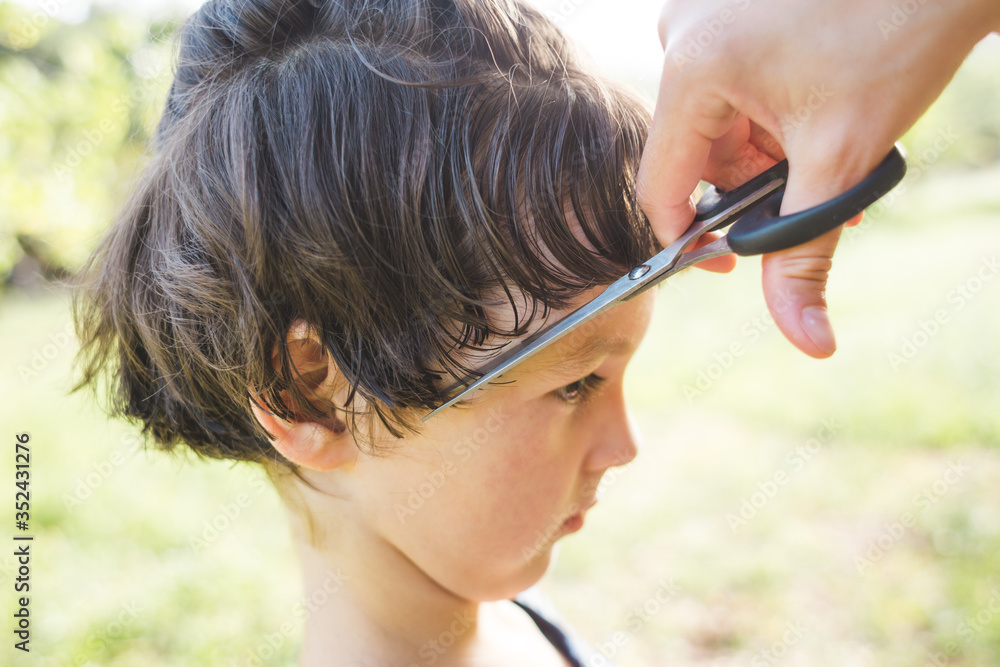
[[584, 388]]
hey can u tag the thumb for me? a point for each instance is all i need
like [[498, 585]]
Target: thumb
[[795, 291], [795, 279]]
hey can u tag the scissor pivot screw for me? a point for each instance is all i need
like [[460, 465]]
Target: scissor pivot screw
[[638, 272]]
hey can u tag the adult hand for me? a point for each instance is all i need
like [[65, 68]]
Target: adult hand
[[829, 84]]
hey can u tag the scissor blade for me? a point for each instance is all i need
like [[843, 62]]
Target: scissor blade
[[717, 248], [614, 294], [631, 284]]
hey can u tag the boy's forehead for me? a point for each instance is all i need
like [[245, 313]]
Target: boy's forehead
[[609, 333], [574, 358], [616, 331]]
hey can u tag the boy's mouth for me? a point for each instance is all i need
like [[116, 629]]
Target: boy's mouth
[[574, 522]]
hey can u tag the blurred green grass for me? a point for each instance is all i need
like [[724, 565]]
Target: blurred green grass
[[117, 579]]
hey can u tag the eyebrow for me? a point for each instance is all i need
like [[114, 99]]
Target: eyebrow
[[579, 359]]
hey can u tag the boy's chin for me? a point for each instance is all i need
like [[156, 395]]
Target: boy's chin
[[532, 570]]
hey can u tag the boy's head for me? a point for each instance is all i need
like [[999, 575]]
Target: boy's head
[[349, 205]]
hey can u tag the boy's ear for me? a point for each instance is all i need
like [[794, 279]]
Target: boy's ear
[[317, 443]]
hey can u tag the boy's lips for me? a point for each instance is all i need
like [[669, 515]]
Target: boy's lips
[[583, 507], [574, 522]]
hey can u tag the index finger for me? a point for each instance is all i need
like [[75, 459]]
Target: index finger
[[676, 153]]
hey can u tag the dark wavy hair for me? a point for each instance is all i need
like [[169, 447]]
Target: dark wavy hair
[[381, 169]]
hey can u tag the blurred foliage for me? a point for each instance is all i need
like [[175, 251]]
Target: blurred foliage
[[78, 103]]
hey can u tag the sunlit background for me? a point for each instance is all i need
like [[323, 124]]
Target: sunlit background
[[782, 511]]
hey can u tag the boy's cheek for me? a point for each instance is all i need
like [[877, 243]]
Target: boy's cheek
[[491, 465], [506, 460], [524, 433], [496, 509]]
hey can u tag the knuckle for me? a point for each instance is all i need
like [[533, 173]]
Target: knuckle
[[809, 268]]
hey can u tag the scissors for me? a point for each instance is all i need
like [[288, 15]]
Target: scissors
[[751, 209]]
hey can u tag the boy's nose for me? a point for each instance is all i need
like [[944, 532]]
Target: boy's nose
[[615, 437]]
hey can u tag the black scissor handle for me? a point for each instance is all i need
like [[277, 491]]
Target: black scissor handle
[[761, 229]]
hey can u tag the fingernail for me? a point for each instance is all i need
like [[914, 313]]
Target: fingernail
[[816, 324]]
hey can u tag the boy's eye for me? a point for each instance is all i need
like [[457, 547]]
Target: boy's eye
[[579, 391]]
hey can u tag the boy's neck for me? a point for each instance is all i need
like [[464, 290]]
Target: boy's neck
[[370, 605], [374, 604]]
